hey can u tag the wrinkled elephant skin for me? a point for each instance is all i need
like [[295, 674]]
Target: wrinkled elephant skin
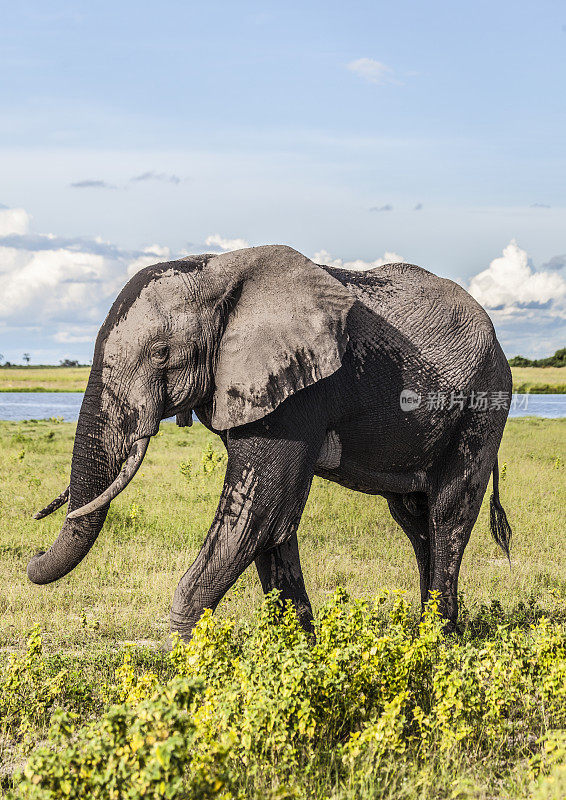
[[367, 379]]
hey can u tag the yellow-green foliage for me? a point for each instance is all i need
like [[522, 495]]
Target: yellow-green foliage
[[385, 746], [210, 459], [144, 750], [259, 709], [27, 693]]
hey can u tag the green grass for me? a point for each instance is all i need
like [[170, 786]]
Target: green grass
[[155, 528], [539, 380], [122, 590], [43, 379]]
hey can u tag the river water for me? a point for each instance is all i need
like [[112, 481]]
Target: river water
[[42, 405]]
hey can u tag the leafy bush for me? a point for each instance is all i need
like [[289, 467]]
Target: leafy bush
[[140, 750], [210, 459], [185, 468], [27, 692], [261, 710]]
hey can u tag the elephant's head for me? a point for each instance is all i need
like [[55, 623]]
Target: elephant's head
[[237, 332]]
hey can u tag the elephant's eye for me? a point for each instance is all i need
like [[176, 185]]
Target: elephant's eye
[[160, 353]]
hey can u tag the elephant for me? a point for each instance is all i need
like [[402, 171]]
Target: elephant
[[377, 380]]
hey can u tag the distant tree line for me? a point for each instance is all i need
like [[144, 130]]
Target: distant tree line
[[67, 362], [557, 360]]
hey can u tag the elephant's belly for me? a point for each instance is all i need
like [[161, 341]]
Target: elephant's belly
[[352, 476], [363, 473]]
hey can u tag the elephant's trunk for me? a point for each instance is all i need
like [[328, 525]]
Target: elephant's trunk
[[94, 467]]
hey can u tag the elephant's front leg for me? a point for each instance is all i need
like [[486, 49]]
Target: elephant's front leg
[[267, 482]]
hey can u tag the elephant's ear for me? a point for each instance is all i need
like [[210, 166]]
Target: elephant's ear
[[286, 330]]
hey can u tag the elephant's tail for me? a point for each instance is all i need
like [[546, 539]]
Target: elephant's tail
[[500, 528]]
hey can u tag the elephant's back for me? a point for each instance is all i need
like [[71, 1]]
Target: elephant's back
[[408, 309], [397, 289]]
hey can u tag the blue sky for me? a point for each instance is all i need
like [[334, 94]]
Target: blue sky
[[131, 132]]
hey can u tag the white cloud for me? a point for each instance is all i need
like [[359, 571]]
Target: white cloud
[[386, 207], [61, 286], [92, 184], [75, 334], [13, 220], [527, 306], [510, 285], [153, 254], [371, 70], [157, 176], [324, 257], [215, 240], [48, 283]]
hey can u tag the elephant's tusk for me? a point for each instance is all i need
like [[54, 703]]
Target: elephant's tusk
[[53, 505], [131, 466]]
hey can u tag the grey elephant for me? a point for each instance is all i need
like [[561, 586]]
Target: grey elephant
[[376, 380]]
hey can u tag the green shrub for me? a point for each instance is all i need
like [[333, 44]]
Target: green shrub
[[134, 751], [185, 468], [556, 360], [27, 692], [259, 709], [210, 459]]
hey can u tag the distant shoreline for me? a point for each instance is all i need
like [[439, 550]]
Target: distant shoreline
[[38, 390], [543, 389], [59, 379]]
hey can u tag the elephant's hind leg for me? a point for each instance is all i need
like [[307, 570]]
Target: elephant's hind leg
[[410, 511], [280, 568], [454, 506], [451, 524]]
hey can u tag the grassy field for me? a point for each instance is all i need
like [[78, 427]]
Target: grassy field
[[539, 380], [122, 591], [43, 379], [156, 526]]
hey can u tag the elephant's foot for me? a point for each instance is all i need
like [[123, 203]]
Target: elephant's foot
[[182, 626], [452, 628], [167, 645]]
